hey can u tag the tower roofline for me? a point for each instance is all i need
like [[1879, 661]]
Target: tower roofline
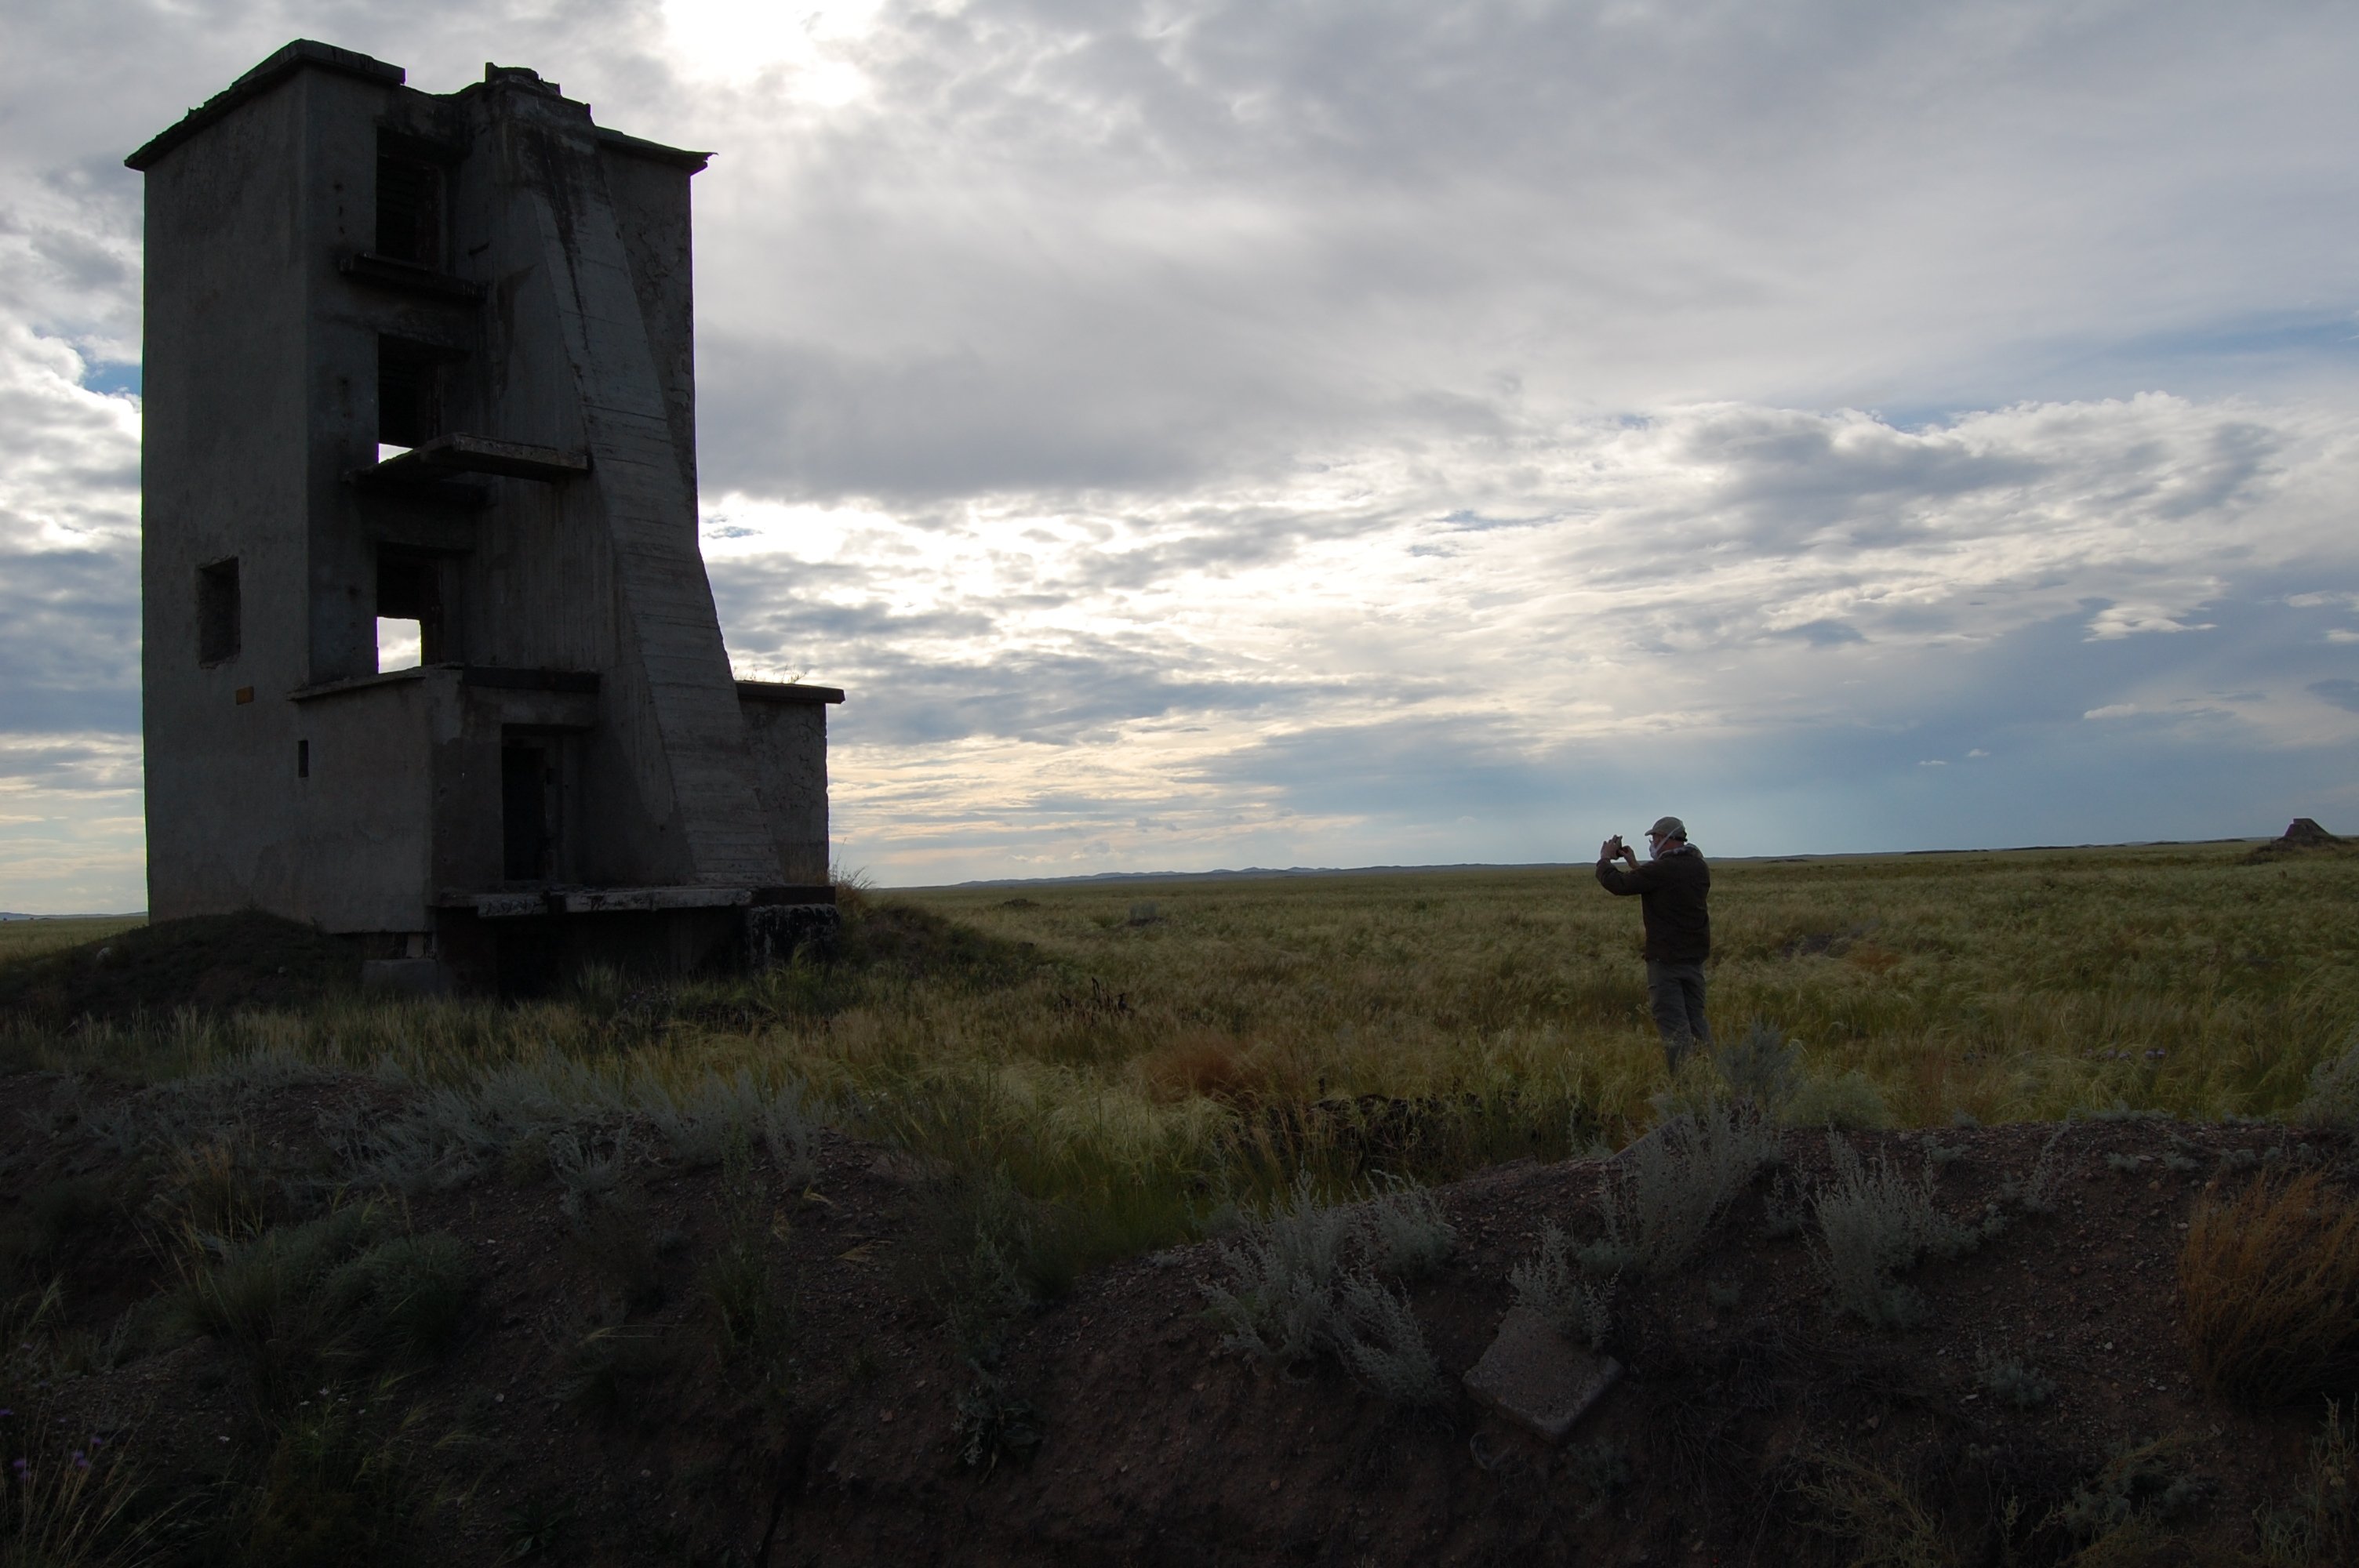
[[309, 54], [300, 55], [655, 152]]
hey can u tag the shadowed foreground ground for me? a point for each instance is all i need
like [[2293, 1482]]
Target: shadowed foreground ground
[[673, 1360]]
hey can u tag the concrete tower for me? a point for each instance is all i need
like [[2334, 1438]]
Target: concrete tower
[[425, 363]]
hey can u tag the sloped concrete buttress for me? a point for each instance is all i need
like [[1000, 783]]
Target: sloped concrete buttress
[[674, 662]]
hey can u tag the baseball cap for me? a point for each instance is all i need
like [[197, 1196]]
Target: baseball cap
[[1667, 828]]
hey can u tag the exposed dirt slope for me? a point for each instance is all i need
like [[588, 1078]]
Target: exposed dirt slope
[[1754, 1425]]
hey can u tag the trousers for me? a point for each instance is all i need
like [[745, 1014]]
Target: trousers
[[1675, 995]]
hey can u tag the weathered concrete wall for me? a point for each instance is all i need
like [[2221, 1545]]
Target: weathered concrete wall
[[467, 841], [402, 808], [229, 408], [341, 117], [355, 852], [670, 696], [788, 738], [651, 214], [349, 528]]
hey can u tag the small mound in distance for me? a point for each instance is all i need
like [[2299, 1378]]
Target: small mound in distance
[[2303, 836]]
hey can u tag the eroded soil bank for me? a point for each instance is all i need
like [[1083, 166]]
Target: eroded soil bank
[[710, 1362]]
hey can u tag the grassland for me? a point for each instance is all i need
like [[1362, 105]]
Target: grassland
[[1142, 1054], [2009, 986], [31, 938]]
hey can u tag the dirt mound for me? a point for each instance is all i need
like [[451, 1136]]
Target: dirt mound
[[2303, 836], [602, 1395], [891, 937], [215, 963]]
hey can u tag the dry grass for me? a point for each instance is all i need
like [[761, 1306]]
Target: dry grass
[[2013, 986], [2319, 1524], [1884, 1520], [2269, 1291], [1421, 1024], [31, 938], [1219, 1066]]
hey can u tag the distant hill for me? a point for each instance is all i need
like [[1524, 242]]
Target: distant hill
[[1251, 871], [1269, 871], [85, 915]]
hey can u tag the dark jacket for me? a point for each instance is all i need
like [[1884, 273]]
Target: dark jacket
[[1671, 891]]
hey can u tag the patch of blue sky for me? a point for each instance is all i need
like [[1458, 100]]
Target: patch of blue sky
[[2339, 691], [1475, 522], [2225, 356], [1825, 634], [2278, 335], [2236, 352], [114, 379]]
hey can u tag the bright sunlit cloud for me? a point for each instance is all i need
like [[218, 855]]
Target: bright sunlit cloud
[[806, 46]]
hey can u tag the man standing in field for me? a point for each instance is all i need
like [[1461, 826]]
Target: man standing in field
[[1672, 888]]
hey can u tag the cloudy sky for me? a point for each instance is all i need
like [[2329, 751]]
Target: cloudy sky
[[1343, 432]]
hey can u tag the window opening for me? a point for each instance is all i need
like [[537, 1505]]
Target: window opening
[[218, 620], [527, 810], [401, 645], [408, 396], [302, 759], [409, 204], [410, 620]]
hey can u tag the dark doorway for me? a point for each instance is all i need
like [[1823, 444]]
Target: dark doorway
[[527, 826]]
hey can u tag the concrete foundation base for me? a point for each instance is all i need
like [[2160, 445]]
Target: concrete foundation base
[[776, 931], [406, 976], [532, 954]]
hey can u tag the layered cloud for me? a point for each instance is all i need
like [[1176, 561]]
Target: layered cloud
[[1204, 434], [70, 831], [1163, 244], [1771, 619]]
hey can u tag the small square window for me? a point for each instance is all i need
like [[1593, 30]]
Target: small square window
[[218, 616]]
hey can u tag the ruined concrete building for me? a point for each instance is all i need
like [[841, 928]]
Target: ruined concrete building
[[424, 364]]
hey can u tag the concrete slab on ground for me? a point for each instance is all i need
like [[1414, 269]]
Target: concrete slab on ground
[[1532, 1377]]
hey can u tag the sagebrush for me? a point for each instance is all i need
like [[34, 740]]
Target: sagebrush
[[1305, 1282], [1662, 1195], [1874, 1223]]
